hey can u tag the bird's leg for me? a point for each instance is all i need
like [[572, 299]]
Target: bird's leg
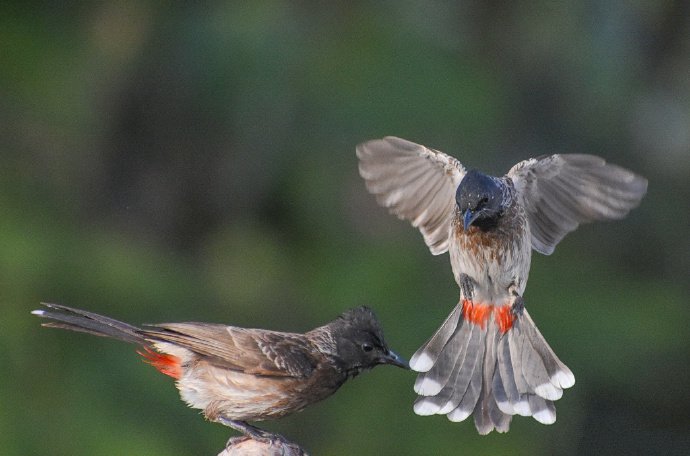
[[252, 432], [466, 287], [246, 429], [518, 303]]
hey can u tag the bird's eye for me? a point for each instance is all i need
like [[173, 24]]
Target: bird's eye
[[367, 347], [481, 203]]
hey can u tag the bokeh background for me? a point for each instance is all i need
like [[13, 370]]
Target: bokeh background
[[161, 162]]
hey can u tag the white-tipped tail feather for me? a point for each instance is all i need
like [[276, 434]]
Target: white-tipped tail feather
[[425, 358], [466, 369], [421, 362]]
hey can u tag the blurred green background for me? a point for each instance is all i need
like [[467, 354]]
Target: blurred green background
[[177, 163]]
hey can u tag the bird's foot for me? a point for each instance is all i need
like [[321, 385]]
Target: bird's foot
[[244, 444], [466, 287], [247, 429], [518, 305], [253, 432]]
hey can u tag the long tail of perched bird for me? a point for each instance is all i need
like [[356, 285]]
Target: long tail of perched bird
[[91, 323]]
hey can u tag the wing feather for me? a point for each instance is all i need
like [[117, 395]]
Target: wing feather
[[560, 192], [253, 351], [415, 183]]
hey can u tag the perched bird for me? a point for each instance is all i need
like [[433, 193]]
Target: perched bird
[[236, 374], [488, 358]]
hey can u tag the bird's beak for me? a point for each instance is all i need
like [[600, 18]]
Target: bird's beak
[[394, 359], [468, 218]]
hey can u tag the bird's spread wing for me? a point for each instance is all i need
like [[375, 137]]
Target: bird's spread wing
[[559, 192], [253, 351], [416, 184]]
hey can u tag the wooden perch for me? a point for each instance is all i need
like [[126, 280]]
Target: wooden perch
[[246, 446]]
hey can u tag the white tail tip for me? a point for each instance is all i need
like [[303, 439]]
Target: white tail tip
[[459, 414], [423, 407], [563, 379], [421, 362], [545, 416], [427, 387], [549, 392]]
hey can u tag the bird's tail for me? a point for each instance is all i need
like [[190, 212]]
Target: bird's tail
[[83, 321], [80, 320], [487, 361]]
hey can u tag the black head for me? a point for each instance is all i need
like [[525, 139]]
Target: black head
[[480, 200], [359, 341]]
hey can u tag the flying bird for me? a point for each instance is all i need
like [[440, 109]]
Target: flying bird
[[488, 359], [235, 375]]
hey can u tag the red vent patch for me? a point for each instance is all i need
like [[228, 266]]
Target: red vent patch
[[479, 314], [166, 364]]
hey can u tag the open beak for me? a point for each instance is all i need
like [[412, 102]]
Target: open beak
[[394, 359], [468, 218]]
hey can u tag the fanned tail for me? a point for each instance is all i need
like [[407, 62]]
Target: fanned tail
[[488, 362], [529, 375]]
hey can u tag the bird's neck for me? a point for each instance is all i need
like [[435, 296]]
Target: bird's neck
[[322, 338]]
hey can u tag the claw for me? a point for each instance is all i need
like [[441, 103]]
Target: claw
[[518, 305], [467, 286], [248, 430]]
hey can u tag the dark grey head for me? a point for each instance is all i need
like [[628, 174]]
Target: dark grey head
[[359, 341], [480, 200]]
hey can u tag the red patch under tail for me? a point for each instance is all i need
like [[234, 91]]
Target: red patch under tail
[[479, 314], [166, 364], [504, 318], [476, 313]]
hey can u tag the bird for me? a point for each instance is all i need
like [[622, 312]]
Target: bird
[[488, 359], [236, 375]]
